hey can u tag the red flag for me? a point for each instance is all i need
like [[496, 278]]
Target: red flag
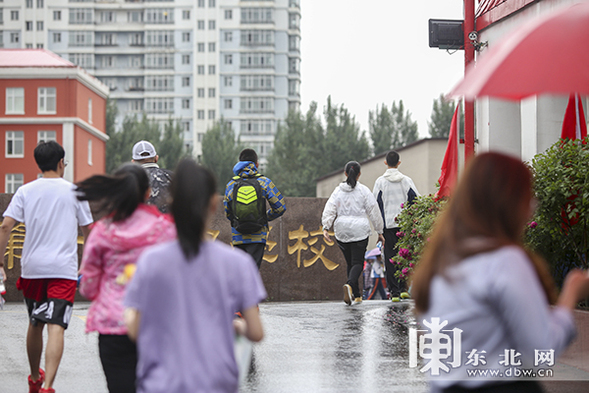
[[574, 125], [450, 163]]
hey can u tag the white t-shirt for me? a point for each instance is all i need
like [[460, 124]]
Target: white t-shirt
[[51, 213]]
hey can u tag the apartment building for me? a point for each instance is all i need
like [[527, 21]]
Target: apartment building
[[45, 97], [192, 60]]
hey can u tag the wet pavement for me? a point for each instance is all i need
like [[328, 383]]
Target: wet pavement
[[309, 347]]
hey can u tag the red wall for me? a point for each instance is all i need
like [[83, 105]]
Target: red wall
[[83, 170]]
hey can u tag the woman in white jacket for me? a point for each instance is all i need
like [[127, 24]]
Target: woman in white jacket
[[350, 209]]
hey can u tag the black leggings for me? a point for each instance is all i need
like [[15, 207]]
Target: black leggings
[[354, 255], [118, 355]]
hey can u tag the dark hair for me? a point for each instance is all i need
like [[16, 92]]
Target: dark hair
[[192, 188], [48, 154], [248, 155], [118, 194], [392, 158], [352, 169], [491, 202]]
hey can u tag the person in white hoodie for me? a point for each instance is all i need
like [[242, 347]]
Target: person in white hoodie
[[392, 190], [350, 209]]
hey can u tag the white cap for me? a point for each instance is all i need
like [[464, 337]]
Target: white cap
[[141, 148]]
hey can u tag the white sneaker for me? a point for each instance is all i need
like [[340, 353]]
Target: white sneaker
[[358, 300], [348, 296]]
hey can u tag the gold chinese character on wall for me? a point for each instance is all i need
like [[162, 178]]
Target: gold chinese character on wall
[[299, 236]]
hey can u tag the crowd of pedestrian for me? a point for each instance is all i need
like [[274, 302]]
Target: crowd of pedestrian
[[154, 276]]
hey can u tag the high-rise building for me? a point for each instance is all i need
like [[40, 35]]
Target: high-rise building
[[192, 60]]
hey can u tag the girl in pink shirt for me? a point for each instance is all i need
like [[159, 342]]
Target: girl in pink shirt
[[110, 253]]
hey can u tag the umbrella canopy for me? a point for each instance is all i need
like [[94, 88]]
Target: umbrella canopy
[[372, 254], [549, 54]]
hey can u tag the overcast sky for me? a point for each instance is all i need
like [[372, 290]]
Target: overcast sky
[[367, 52]]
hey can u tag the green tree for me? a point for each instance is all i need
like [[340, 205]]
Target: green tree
[[404, 129], [441, 118], [343, 140], [171, 147], [220, 151], [295, 161], [381, 129]]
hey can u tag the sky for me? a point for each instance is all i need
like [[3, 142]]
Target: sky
[[368, 52]]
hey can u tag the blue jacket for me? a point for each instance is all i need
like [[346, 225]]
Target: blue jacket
[[247, 169]]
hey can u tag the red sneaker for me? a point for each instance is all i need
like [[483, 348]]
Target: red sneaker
[[35, 386], [48, 390]]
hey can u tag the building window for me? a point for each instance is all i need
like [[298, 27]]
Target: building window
[[29, 46], [1, 18], [186, 14], [185, 103], [136, 106], [257, 15], [257, 60], [89, 151], [46, 100], [212, 25], [46, 136], [40, 25], [211, 114], [211, 92], [200, 24], [186, 36], [12, 182], [201, 47], [159, 15], [212, 46], [40, 3], [211, 3], [136, 39], [159, 105], [185, 81], [13, 15], [108, 39], [81, 16], [228, 81], [84, 60], [201, 3], [15, 141], [135, 16], [90, 110], [293, 65], [185, 59], [108, 61], [186, 126], [14, 38], [257, 105], [212, 70], [256, 83], [56, 15], [29, 4], [159, 38], [56, 37], [294, 43], [228, 35], [201, 70], [257, 37], [159, 60], [29, 26], [257, 127], [200, 114], [107, 17], [200, 92], [228, 59], [15, 100], [228, 14], [39, 46], [81, 38], [228, 104], [159, 83]]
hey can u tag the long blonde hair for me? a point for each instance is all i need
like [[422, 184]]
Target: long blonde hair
[[488, 209]]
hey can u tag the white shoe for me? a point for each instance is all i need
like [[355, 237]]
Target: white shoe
[[348, 296], [358, 300]]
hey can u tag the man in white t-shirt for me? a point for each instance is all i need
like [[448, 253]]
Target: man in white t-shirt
[[49, 265]]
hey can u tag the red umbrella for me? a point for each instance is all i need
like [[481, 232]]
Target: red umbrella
[[549, 54]]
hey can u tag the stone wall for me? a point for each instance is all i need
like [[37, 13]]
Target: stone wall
[[298, 264]]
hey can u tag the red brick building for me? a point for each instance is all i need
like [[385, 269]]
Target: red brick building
[[45, 97]]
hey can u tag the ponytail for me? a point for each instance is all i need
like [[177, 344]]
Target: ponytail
[[192, 188], [118, 194], [352, 170]]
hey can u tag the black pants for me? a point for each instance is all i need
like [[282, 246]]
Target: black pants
[[256, 250], [354, 255], [118, 355], [394, 285]]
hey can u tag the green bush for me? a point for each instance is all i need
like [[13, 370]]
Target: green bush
[[415, 224], [558, 230]]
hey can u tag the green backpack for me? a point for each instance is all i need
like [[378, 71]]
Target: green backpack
[[248, 205]]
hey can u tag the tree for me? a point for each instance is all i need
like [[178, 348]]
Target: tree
[[295, 161], [381, 129], [171, 147], [343, 140], [220, 151], [404, 129], [441, 118]]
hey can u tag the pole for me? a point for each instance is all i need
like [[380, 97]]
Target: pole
[[468, 59]]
